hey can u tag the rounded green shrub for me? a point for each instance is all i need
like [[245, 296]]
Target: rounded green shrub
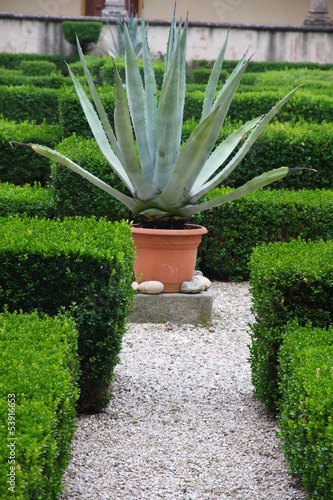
[[87, 32]]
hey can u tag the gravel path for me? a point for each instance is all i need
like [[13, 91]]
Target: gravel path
[[183, 422]]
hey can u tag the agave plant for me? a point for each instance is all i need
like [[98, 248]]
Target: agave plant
[[117, 47], [164, 178]]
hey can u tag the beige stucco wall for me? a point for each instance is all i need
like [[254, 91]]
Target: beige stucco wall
[[204, 42], [277, 12], [281, 12], [44, 7]]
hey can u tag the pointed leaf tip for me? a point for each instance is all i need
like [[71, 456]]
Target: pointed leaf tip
[[23, 144], [302, 168]]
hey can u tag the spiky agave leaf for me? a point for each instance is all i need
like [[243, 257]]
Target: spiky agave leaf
[[167, 122], [150, 94], [213, 81], [253, 185], [132, 204], [135, 34], [100, 135], [171, 44], [143, 189], [202, 184], [98, 104], [136, 101]]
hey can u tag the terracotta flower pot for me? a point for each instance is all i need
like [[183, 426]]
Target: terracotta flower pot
[[166, 255]]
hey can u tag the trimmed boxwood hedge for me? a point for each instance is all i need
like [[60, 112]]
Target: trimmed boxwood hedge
[[73, 195], [9, 60], [289, 144], [306, 407], [16, 78], [38, 393], [82, 265], [17, 164], [26, 200], [34, 103], [262, 66], [265, 216], [304, 105], [201, 75], [27, 102], [95, 64], [288, 281], [72, 118], [37, 68]]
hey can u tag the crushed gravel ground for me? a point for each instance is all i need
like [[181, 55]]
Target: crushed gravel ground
[[183, 422]]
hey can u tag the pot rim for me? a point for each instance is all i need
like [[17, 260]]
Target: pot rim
[[190, 229]]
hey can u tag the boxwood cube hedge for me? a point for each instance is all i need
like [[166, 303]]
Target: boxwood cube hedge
[[306, 406], [288, 281], [266, 216], [38, 392], [81, 265]]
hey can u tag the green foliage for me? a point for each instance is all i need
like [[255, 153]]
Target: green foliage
[[288, 281], [72, 118], [38, 393], [315, 80], [262, 217], [13, 61], [306, 406], [33, 201], [201, 75], [87, 32], [37, 68], [263, 66], [305, 105], [302, 145], [27, 102], [16, 78], [95, 65], [17, 166], [82, 265], [73, 195]]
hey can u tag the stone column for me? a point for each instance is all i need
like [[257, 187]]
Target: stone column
[[318, 14], [114, 9]]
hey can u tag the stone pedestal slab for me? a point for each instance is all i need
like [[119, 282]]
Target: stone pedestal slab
[[175, 308]]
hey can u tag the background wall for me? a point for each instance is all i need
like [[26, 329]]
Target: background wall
[[44, 7], [296, 44], [278, 12], [275, 12]]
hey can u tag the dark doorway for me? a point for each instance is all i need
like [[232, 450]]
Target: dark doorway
[[94, 7], [132, 6]]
